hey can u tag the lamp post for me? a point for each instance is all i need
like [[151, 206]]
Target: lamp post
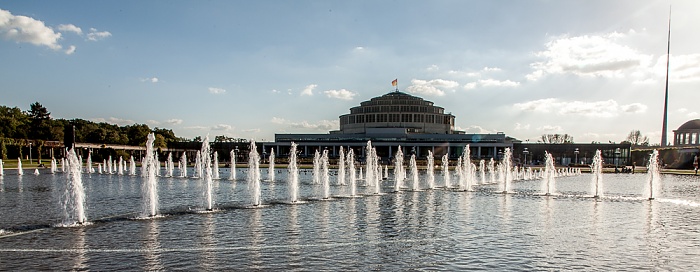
[[576, 155], [30, 153], [526, 152]]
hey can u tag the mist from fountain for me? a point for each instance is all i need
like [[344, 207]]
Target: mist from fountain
[[232, 173], [19, 167], [271, 166], [482, 171], [149, 188], [597, 174], [53, 166], [376, 172], [293, 173], [549, 174], [73, 198], [254, 174], [316, 174], [99, 168], [325, 178], [2, 168], [446, 170], [183, 165], [466, 178], [653, 180], [460, 173], [360, 175], [132, 166], [171, 165], [507, 164], [369, 164], [63, 164], [431, 170], [413, 167], [341, 167], [205, 170], [88, 163], [399, 172], [120, 170], [198, 165], [351, 169], [109, 165], [215, 167]]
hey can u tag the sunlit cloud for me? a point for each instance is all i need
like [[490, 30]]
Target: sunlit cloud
[[308, 90], [320, 126], [23, 29], [223, 127], [435, 87], [115, 120], [588, 55], [342, 94], [150, 79], [95, 35], [174, 121], [213, 90], [605, 108], [70, 28]]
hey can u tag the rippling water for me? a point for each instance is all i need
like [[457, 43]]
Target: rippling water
[[425, 230]]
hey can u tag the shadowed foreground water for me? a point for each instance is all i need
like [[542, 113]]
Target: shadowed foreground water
[[425, 230]]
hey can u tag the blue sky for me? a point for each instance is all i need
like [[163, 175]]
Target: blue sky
[[250, 69]]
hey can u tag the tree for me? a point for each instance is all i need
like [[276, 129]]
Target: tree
[[557, 139], [39, 126], [636, 138]]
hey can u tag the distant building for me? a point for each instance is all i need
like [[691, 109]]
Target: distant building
[[688, 134], [392, 120]]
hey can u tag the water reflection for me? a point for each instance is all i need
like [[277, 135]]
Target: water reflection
[[207, 258], [256, 228], [152, 246], [81, 259]]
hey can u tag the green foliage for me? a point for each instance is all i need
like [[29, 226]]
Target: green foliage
[[3, 148], [37, 124]]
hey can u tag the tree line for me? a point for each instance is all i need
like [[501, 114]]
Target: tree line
[[18, 127]]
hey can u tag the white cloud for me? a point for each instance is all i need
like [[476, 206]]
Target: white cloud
[[433, 87], [28, 30], [322, 125], [275, 91], [223, 127], [251, 130], [174, 121], [214, 90], [550, 128], [692, 114], [309, 90], [682, 67], [95, 35], [491, 69], [519, 126], [606, 108], [340, 94], [114, 120], [150, 79], [70, 28], [70, 50], [152, 122], [594, 55], [277, 120], [433, 68], [474, 130], [488, 83], [196, 127]]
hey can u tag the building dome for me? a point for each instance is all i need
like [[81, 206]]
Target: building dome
[[688, 134], [692, 124], [397, 111]]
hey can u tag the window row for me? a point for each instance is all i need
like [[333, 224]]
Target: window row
[[396, 118], [396, 108]]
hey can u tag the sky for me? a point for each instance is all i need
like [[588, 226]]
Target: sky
[[595, 70]]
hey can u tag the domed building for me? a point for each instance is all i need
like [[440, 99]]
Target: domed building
[[392, 120], [688, 134]]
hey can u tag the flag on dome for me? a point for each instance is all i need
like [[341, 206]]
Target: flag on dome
[[396, 81]]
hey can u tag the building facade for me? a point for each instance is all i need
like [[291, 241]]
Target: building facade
[[688, 134]]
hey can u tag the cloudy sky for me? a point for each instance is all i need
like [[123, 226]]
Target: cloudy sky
[[250, 69]]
